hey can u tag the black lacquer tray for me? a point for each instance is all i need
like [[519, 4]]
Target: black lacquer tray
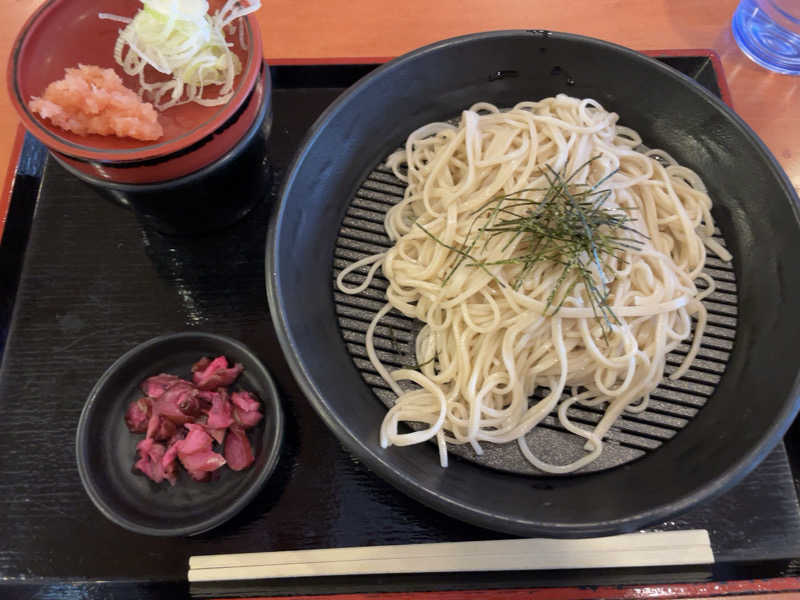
[[81, 282]]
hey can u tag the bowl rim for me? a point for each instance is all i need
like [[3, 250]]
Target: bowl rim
[[82, 440], [403, 481], [53, 141]]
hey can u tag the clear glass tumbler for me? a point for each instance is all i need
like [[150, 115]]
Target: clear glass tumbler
[[768, 31]]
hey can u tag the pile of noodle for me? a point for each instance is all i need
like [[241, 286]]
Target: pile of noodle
[[487, 345]]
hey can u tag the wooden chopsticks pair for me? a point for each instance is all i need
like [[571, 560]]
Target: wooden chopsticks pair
[[690, 547]]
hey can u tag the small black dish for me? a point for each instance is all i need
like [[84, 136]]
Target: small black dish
[[106, 450]]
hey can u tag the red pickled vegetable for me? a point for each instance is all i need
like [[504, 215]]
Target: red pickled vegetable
[[238, 451], [205, 461], [168, 460], [219, 416], [151, 454], [217, 434], [246, 419], [245, 410], [160, 428], [178, 403], [201, 364], [245, 400], [195, 452], [138, 414], [157, 384], [215, 374], [197, 424]]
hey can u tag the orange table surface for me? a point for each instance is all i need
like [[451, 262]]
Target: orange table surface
[[359, 29]]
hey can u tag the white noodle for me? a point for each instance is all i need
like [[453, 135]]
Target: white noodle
[[494, 345]]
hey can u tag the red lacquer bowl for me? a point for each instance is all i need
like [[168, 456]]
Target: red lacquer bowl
[[64, 33]]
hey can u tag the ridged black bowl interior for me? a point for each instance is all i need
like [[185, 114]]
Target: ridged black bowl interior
[[671, 405], [755, 209]]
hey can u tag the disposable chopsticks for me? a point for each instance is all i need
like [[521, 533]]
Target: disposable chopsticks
[[688, 547]]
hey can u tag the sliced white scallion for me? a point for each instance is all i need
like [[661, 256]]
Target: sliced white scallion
[[110, 17], [179, 38]]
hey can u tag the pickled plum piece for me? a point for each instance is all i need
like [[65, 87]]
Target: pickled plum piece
[[199, 425]]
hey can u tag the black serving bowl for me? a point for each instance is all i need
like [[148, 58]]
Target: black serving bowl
[[106, 450], [755, 207]]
